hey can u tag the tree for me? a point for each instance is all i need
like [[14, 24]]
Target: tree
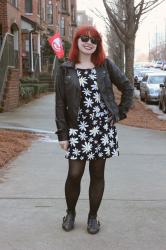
[[126, 25], [115, 47]]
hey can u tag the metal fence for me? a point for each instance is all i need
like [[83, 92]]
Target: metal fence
[[7, 58]]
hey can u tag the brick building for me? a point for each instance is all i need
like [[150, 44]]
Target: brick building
[[25, 26]]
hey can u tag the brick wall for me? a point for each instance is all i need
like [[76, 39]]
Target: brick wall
[[3, 16], [11, 98]]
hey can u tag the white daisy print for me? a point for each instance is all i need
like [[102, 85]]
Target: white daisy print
[[73, 131], [88, 102], [73, 141], [90, 156], [98, 148], [105, 126], [97, 97], [86, 147], [102, 105], [91, 139], [92, 76], [95, 137], [115, 152], [100, 154], [78, 73], [73, 157], [87, 92], [105, 139], [96, 109], [83, 136], [92, 116], [94, 131], [76, 152], [111, 133], [94, 86], [94, 71], [82, 81], [112, 143], [83, 125], [107, 150], [95, 122]]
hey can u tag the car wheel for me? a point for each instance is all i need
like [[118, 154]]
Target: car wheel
[[164, 107], [146, 99], [141, 97]]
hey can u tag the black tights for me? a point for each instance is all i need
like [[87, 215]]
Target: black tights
[[96, 188]]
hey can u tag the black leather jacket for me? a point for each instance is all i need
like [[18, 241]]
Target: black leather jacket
[[68, 94]]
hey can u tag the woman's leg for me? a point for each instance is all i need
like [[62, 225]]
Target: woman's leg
[[96, 190], [73, 183], [97, 183]]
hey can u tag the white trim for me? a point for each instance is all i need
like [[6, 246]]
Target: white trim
[[39, 51], [32, 68]]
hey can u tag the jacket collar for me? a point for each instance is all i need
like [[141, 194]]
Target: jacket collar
[[68, 64]]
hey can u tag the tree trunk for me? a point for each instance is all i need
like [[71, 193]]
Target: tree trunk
[[129, 59], [121, 56]]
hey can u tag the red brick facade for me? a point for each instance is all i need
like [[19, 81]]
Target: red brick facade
[[3, 16], [31, 26]]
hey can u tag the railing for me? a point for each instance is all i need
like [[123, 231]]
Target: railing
[[36, 65], [7, 58], [46, 63]]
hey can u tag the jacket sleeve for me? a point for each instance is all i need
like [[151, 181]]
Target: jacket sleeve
[[123, 84], [60, 106]]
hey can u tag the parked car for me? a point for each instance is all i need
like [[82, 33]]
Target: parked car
[[139, 76], [150, 86], [157, 64], [162, 99], [163, 65]]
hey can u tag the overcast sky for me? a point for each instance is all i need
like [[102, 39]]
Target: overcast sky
[[156, 20]]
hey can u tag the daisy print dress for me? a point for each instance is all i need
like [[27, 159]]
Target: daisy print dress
[[95, 137]]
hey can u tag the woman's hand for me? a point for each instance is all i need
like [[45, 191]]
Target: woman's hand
[[111, 120], [64, 145]]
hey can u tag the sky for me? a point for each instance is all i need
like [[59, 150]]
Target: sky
[[154, 22]]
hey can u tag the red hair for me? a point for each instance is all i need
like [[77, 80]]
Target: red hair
[[98, 56]]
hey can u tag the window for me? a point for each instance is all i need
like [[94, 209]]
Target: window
[[13, 2], [28, 6], [50, 13], [62, 26], [43, 10], [73, 14], [156, 79], [38, 7], [64, 4]]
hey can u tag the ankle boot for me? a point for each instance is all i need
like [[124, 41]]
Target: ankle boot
[[68, 221], [93, 226]]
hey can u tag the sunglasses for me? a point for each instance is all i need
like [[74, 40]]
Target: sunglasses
[[85, 39]]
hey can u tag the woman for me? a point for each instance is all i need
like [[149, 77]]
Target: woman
[[85, 115]]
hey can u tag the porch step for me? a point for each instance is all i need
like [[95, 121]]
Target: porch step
[[45, 78]]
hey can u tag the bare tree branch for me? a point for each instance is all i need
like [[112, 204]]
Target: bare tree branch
[[125, 18]]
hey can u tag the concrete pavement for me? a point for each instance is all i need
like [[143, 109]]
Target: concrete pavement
[[133, 211]]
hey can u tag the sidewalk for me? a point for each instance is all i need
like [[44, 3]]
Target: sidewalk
[[133, 211]]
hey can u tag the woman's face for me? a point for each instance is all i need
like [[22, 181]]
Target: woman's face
[[87, 44]]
